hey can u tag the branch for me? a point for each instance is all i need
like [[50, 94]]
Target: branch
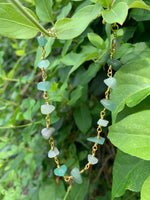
[[24, 12]]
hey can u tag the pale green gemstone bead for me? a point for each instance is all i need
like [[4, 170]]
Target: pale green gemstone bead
[[53, 153], [92, 160], [42, 41], [46, 133], [116, 64], [47, 109], [110, 105], [43, 86], [43, 64], [117, 43], [111, 82], [60, 171], [76, 175], [102, 122], [101, 140]]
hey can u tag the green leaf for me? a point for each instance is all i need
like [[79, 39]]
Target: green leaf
[[76, 59], [140, 4], [131, 135], [69, 28], [140, 14], [75, 95], [137, 49], [66, 47], [83, 118], [50, 190], [145, 192], [18, 160], [79, 191], [64, 11], [44, 10], [13, 24], [134, 4], [128, 173], [105, 3], [133, 79], [96, 40], [117, 14], [29, 104], [90, 73]]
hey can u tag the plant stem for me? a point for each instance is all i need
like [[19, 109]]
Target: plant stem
[[8, 101], [67, 193], [98, 59], [24, 148], [20, 126], [22, 57], [15, 80], [24, 12]]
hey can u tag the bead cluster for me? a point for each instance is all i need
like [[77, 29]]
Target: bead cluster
[[47, 109]]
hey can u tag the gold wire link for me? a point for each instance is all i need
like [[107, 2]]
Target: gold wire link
[[44, 75], [51, 142], [57, 161], [87, 166], [46, 97], [67, 178], [99, 129], [102, 114], [94, 149], [48, 121], [112, 51], [107, 93], [109, 73], [114, 29], [43, 52]]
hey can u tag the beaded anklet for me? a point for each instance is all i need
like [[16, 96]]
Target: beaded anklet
[[47, 109]]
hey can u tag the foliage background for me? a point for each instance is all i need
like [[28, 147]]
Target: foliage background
[[26, 172]]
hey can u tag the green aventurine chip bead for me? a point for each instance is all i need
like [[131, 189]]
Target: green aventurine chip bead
[[53, 153], [76, 175], [43, 63], [108, 104], [46, 133], [101, 140], [43, 86], [116, 64], [102, 122], [60, 171], [92, 160], [111, 82], [42, 41], [117, 43], [47, 109]]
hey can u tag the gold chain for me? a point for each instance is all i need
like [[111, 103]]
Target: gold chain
[[46, 97], [114, 29]]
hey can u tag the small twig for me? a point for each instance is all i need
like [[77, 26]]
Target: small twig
[[15, 80], [98, 59], [90, 172], [132, 195], [102, 168], [16, 4], [20, 126], [8, 101], [24, 148], [67, 193]]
